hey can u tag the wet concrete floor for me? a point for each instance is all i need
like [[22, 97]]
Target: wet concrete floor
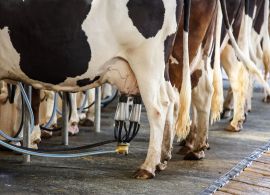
[[112, 173]]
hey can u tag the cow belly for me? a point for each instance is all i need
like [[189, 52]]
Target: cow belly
[[108, 31], [9, 57]]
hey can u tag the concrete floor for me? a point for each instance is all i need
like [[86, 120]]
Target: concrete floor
[[112, 174]]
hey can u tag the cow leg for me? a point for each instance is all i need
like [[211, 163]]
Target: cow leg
[[3, 92], [152, 89], [266, 48], [248, 106], [46, 110], [190, 139], [266, 63], [156, 107], [169, 132], [202, 99], [154, 93], [239, 80], [240, 89], [73, 128], [36, 133], [228, 105], [88, 121], [266, 98]]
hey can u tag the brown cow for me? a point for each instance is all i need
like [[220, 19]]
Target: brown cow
[[202, 41], [10, 114]]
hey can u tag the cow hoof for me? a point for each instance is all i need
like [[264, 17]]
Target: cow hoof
[[184, 150], [230, 128], [226, 114], [73, 129], [195, 156], [87, 123], [182, 143], [46, 134], [33, 146], [166, 156], [267, 99], [245, 120], [37, 141], [143, 174], [162, 166]]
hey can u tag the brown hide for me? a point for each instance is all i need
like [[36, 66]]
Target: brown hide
[[10, 114], [202, 12], [35, 104]]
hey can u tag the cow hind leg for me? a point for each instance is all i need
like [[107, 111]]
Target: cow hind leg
[[169, 130], [156, 116], [153, 89], [190, 139], [239, 80], [88, 119], [202, 99], [240, 89], [228, 105], [73, 128], [35, 137], [266, 62]]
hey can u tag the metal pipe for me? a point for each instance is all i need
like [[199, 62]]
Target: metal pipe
[[27, 125], [86, 97], [28, 104], [65, 119], [7, 137], [97, 109], [40, 154], [54, 112]]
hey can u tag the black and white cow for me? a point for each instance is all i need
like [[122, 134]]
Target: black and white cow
[[74, 45]]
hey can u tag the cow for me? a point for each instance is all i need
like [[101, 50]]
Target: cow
[[79, 115], [249, 19], [206, 80], [49, 48], [202, 99], [11, 109], [77, 99]]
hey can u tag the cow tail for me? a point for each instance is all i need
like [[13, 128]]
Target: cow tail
[[183, 121], [250, 66], [217, 99]]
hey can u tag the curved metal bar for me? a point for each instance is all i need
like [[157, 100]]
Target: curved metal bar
[[51, 130], [81, 108], [67, 149], [22, 119], [29, 107], [104, 102], [28, 104], [40, 154], [54, 111], [57, 110], [108, 100], [7, 137]]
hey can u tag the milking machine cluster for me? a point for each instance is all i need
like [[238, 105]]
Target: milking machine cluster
[[127, 125], [124, 115]]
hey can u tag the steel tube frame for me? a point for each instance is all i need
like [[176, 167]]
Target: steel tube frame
[[27, 126], [65, 119], [97, 109]]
